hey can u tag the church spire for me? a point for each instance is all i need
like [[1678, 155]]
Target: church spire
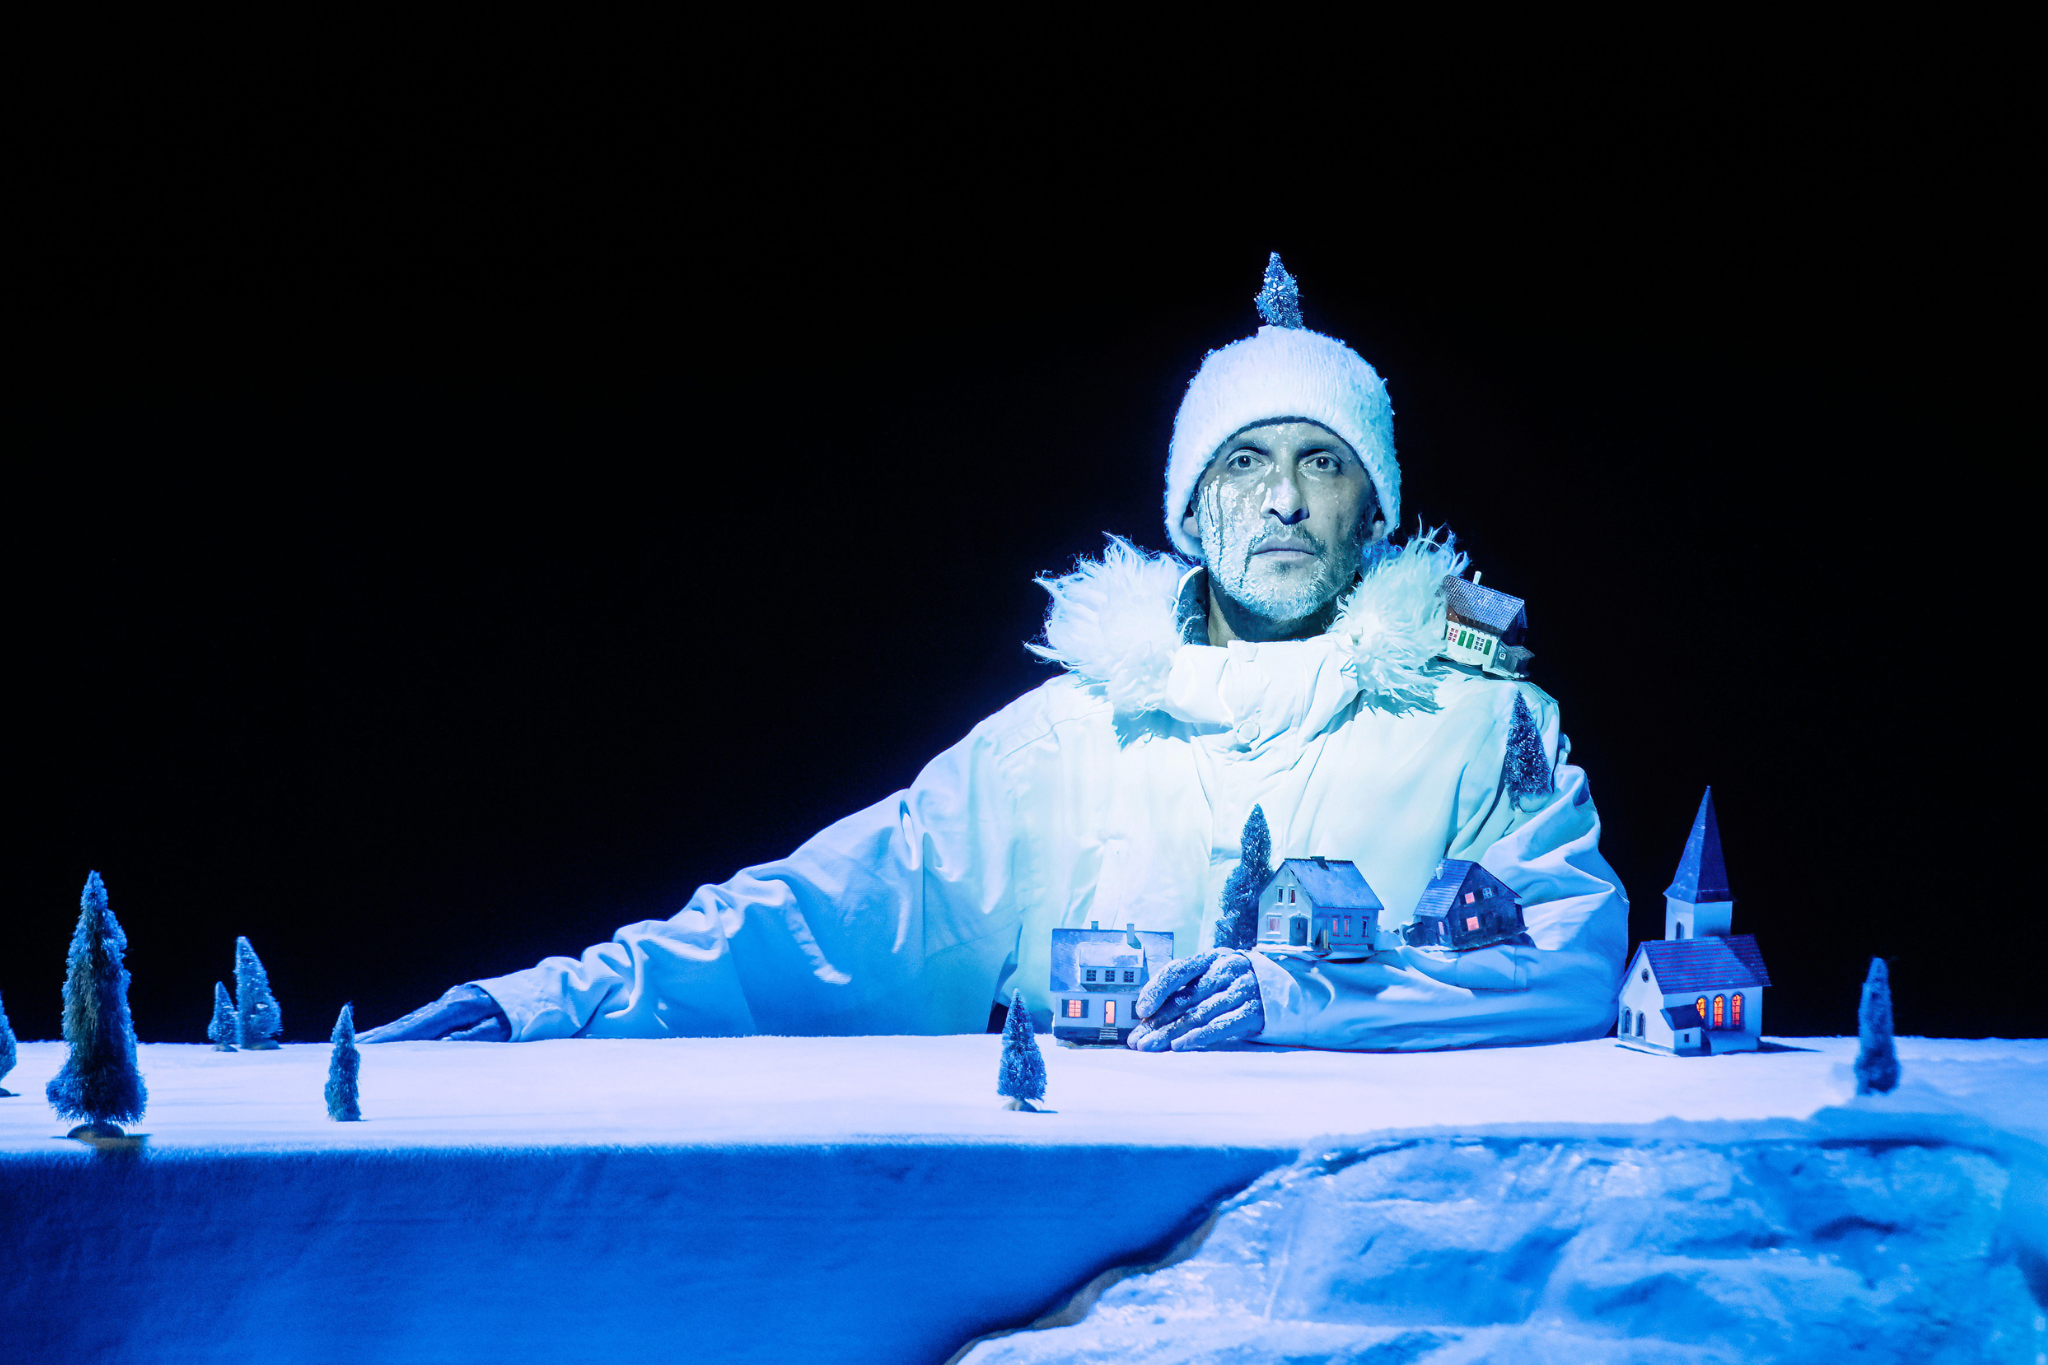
[[1701, 877]]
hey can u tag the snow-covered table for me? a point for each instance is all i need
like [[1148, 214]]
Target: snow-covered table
[[842, 1199]]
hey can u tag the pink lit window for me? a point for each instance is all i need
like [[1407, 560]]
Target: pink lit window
[[1471, 921], [1469, 896], [1077, 1009]]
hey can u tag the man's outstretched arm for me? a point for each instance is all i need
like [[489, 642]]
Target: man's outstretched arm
[[464, 1014]]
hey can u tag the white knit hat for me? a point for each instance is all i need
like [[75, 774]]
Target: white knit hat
[[1283, 372]]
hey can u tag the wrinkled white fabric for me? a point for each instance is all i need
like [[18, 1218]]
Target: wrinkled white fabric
[[1065, 807]]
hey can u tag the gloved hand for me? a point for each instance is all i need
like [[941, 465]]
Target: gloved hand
[[463, 1014], [1197, 1002]]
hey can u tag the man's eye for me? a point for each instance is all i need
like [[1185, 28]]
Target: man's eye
[[1241, 460]]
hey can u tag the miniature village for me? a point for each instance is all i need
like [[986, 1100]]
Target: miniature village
[[1697, 992]]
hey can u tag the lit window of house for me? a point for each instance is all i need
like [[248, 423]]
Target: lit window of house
[[1471, 921], [1471, 896], [1077, 1009], [1720, 1011], [1701, 1006], [1735, 1012]]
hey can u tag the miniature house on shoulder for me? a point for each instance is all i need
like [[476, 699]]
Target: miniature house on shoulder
[[1323, 904], [1096, 976], [1464, 906], [1484, 628], [1701, 989]]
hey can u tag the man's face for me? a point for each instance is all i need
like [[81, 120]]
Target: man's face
[[1282, 515]]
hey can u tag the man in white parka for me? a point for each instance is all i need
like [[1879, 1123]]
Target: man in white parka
[[1295, 668]]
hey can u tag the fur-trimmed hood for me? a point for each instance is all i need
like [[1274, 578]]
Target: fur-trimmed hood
[[1123, 623]]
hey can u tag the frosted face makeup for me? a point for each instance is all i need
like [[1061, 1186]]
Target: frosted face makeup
[[1282, 513]]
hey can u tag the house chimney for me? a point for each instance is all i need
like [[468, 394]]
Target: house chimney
[[1475, 578], [1094, 924]]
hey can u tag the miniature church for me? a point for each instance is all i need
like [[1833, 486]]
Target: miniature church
[[1701, 990], [1322, 904]]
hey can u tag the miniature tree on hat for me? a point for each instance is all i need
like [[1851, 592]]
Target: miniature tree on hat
[[8, 1055], [342, 1068], [99, 1082], [222, 1029], [1877, 1062], [260, 1020], [1021, 1078], [1237, 920]]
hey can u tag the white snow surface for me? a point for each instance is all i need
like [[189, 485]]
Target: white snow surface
[[750, 1091], [1579, 1202]]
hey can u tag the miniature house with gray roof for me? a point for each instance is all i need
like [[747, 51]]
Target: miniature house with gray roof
[[1322, 904], [1464, 907], [1700, 990], [1096, 976], [1484, 628]]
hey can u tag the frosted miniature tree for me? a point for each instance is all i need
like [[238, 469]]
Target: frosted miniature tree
[[99, 1082], [1237, 920], [223, 1028], [1022, 1076], [342, 1069], [259, 1019], [1526, 773], [8, 1054], [1877, 1063]]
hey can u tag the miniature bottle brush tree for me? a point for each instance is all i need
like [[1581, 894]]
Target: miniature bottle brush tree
[[259, 1019], [1237, 920], [343, 1067], [99, 1083], [8, 1053], [224, 1026], [1021, 1077], [1877, 1061]]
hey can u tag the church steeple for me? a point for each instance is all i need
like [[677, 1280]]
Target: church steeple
[[1698, 900]]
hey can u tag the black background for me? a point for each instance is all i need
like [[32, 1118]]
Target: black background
[[424, 577]]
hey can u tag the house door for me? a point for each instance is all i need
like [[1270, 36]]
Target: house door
[[1297, 931]]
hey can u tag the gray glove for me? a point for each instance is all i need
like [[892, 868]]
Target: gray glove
[[1200, 1001], [464, 1014]]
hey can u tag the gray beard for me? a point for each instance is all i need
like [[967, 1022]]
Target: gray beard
[[1283, 599]]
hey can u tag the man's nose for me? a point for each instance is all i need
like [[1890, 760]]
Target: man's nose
[[1285, 502]]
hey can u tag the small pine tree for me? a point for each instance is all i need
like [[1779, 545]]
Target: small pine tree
[[8, 1054], [342, 1069], [1237, 919], [1526, 771], [1877, 1063], [223, 1027], [1022, 1076], [259, 1019], [99, 1082]]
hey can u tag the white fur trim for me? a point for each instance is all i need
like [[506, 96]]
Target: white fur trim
[[1278, 373], [1114, 622], [1393, 624]]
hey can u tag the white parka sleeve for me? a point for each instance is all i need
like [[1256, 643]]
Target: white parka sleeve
[[896, 919], [1558, 986]]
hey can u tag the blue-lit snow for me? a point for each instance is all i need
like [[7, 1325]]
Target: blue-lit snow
[[870, 1199]]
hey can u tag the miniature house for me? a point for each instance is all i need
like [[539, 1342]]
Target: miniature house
[[1319, 903], [1484, 628], [1464, 906], [1096, 976], [1700, 990]]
